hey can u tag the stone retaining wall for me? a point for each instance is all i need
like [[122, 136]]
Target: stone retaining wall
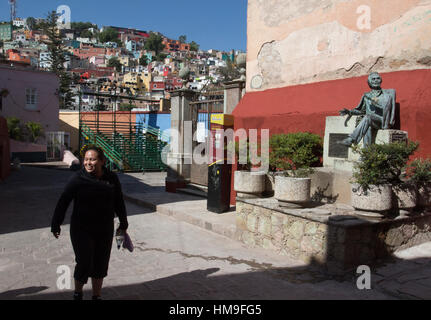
[[340, 239]]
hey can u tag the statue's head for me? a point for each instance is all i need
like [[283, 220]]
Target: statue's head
[[374, 80]]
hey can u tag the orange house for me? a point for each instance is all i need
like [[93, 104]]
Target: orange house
[[175, 45], [14, 55]]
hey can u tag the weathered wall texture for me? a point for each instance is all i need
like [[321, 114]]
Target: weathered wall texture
[[303, 41]]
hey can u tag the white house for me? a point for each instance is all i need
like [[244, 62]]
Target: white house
[[18, 22], [44, 60], [20, 37]]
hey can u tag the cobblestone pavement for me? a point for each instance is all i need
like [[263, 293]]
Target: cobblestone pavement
[[173, 259]]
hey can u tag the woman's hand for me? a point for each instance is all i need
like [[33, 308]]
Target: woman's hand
[[56, 234]]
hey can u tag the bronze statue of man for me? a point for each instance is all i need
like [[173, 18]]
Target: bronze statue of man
[[378, 108]]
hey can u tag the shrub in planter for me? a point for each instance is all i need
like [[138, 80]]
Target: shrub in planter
[[379, 171], [419, 172], [294, 154]]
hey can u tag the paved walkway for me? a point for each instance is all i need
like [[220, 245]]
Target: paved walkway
[[180, 254]]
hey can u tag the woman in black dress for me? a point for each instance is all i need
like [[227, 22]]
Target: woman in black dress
[[97, 196]]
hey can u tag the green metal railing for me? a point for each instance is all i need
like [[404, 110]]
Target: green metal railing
[[126, 149]]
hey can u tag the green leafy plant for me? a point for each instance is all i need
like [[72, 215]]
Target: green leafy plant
[[35, 130], [14, 128], [419, 171], [295, 153], [382, 163]]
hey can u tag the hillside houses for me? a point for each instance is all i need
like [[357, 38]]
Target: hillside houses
[[121, 64]]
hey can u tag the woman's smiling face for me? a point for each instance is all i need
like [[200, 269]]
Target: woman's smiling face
[[92, 163]]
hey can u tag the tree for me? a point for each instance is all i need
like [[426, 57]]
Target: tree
[[31, 23], [182, 39], [194, 46], [143, 61], [57, 59], [115, 62], [161, 57], [109, 35], [81, 26], [86, 34], [230, 72], [154, 43]]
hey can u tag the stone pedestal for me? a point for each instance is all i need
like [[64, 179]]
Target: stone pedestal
[[179, 159]]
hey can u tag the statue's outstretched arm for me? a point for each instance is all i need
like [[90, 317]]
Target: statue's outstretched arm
[[359, 110]]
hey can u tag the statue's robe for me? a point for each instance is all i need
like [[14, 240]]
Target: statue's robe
[[379, 111]]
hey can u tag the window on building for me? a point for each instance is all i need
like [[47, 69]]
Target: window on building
[[31, 98]]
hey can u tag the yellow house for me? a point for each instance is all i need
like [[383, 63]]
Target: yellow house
[[146, 79], [124, 60], [134, 81]]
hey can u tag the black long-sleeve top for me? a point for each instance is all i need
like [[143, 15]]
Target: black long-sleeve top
[[96, 201]]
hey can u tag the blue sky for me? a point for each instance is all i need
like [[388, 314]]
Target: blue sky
[[220, 24]]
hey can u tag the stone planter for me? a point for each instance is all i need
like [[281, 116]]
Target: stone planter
[[249, 184], [376, 198], [294, 190], [424, 195], [405, 197]]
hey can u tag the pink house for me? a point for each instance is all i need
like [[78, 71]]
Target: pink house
[[31, 96], [97, 60]]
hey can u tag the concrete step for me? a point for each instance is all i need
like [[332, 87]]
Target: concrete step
[[193, 192], [195, 189]]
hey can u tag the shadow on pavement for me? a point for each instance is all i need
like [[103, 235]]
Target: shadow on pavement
[[306, 283], [28, 196]]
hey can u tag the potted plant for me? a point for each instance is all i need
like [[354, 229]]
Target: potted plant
[[294, 154], [247, 182], [419, 172], [378, 177]]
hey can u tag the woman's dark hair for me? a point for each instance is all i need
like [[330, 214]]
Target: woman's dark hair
[[99, 150]]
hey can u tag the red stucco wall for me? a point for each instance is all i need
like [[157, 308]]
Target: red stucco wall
[[305, 107]]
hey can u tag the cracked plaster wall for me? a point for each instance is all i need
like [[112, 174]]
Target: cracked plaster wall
[[303, 41]]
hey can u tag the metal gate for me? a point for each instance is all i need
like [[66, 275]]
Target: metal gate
[[57, 143], [206, 104]]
